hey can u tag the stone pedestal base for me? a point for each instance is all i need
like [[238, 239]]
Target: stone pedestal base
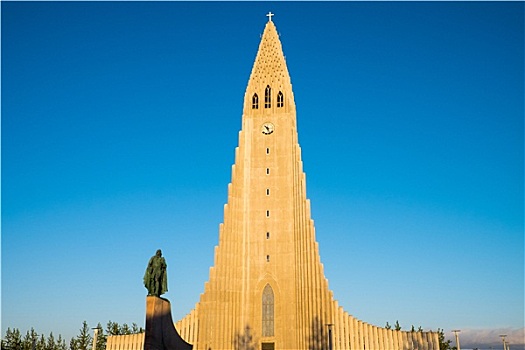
[[160, 330]]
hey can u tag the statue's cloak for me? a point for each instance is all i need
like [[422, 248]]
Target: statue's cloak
[[156, 269]]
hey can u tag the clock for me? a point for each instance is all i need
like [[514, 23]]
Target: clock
[[267, 128]]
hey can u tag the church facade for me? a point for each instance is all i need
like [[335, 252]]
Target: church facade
[[267, 281], [267, 288]]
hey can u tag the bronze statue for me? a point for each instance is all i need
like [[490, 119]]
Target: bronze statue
[[156, 277]]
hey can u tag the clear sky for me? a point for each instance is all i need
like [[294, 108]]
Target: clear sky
[[119, 123]]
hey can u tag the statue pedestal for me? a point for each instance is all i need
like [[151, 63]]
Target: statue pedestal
[[160, 329]]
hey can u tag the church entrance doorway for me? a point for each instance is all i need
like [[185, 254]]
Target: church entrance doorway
[[268, 346]]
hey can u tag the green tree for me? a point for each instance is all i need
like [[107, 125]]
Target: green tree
[[51, 343], [84, 339], [61, 343], [135, 329], [125, 329], [73, 344], [12, 340], [444, 344], [397, 327], [388, 326], [30, 339], [113, 328], [41, 343]]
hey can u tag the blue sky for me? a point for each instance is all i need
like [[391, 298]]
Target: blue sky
[[119, 123]]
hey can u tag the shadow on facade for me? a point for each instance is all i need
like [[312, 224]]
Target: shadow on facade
[[318, 339], [418, 342], [244, 340]]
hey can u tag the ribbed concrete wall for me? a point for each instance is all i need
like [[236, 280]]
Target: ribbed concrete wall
[[125, 342], [188, 327]]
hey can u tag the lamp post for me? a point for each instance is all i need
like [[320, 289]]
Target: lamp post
[[95, 336], [456, 331], [329, 325], [503, 339]]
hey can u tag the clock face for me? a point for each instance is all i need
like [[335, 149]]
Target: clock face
[[267, 128]]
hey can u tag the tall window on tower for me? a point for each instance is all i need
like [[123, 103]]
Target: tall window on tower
[[255, 101], [268, 97], [280, 100], [267, 312]]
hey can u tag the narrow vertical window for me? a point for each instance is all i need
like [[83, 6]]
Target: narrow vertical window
[[267, 258], [267, 191], [267, 311], [280, 99], [267, 171], [255, 101], [268, 97], [267, 151], [267, 235], [267, 213]]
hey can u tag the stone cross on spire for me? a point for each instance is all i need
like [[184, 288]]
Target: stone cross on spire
[[269, 15]]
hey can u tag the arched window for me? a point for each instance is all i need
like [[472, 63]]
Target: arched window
[[280, 99], [267, 311], [268, 97], [255, 101]]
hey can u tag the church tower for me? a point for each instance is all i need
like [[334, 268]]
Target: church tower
[[267, 287]]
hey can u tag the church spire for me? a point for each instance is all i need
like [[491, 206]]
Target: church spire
[[269, 76]]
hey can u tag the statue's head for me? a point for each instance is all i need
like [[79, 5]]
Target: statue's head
[[159, 252]]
